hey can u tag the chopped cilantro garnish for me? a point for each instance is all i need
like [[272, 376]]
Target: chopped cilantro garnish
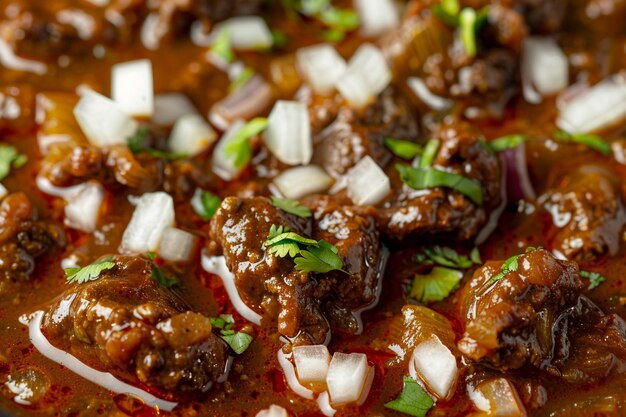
[[238, 148], [282, 242], [429, 153], [159, 276], [403, 148], [445, 256], [241, 79], [592, 141], [291, 207], [436, 285], [506, 142], [10, 157], [279, 38], [595, 279], [343, 20], [339, 21], [205, 204], [237, 341], [89, 272], [475, 256], [137, 142], [423, 178], [468, 20], [222, 47], [413, 400], [511, 264]]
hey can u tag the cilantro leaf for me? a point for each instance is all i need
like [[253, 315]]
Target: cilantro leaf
[[282, 242], [238, 148], [137, 141], [511, 264], [10, 157], [205, 204], [506, 142], [594, 142], [595, 279], [445, 256], [403, 148], [343, 20], [436, 285], [241, 79], [322, 259], [89, 272], [291, 207], [159, 276], [413, 400], [475, 256], [222, 47], [237, 341]]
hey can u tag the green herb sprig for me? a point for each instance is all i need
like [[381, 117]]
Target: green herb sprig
[[595, 279], [291, 207], [413, 400], [511, 264], [424, 178], [88, 273], [238, 341], [10, 158], [238, 147]]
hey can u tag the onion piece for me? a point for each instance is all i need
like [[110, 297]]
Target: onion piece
[[346, 377], [247, 32], [3, 191], [191, 135], [153, 214], [311, 363], [169, 107], [376, 17], [435, 102], [252, 99], [503, 398], [288, 133], [45, 186], [132, 87], [223, 165], [436, 366], [298, 182], [320, 66], [544, 67], [370, 62], [83, 208], [601, 106], [518, 184], [273, 411], [352, 86], [102, 120], [177, 245], [368, 184]]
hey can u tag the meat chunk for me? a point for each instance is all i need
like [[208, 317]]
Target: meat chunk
[[534, 315], [301, 302], [587, 213], [138, 330], [412, 213]]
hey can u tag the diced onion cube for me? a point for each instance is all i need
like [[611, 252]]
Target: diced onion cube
[[436, 366], [176, 245], [83, 208], [321, 66], [352, 86], [191, 135], [223, 165], [376, 16], [273, 411], [102, 121], [367, 183], [247, 32], [288, 133], [601, 106], [153, 214], [546, 65], [311, 363], [346, 377], [502, 397], [370, 62], [298, 182], [246, 102], [170, 107], [132, 87]]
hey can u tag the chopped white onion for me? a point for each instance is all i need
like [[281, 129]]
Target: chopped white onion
[[352, 86], [311, 363], [436, 366], [367, 183], [191, 135], [102, 120], [3, 191], [321, 66], [132, 87], [298, 182], [247, 32], [273, 411], [376, 17], [153, 214], [502, 397], [370, 62], [169, 107], [248, 101], [601, 106], [83, 208], [288, 133], [346, 377], [435, 102], [223, 165], [176, 245], [545, 67], [45, 186]]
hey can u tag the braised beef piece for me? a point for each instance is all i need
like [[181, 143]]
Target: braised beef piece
[[301, 302], [125, 323], [23, 238], [587, 213], [412, 213], [535, 316]]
